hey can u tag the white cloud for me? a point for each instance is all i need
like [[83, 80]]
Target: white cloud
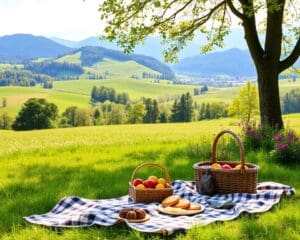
[[69, 19]]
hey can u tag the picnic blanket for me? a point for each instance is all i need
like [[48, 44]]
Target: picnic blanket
[[81, 212]]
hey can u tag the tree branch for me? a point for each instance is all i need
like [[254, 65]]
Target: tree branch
[[173, 15], [234, 10], [201, 20], [290, 60]]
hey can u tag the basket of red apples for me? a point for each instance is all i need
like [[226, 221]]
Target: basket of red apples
[[228, 177], [152, 189]]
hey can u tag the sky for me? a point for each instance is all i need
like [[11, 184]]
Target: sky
[[67, 19]]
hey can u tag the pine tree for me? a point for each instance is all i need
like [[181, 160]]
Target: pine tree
[[182, 108], [155, 111], [148, 118], [188, 107], [175, 112], [207, 111]]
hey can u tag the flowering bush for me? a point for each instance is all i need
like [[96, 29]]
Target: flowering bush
[[255, 137], [287, 148], [284, 146]]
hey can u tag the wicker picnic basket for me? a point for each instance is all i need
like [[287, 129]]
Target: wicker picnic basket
[[229, 181], [150, 195]]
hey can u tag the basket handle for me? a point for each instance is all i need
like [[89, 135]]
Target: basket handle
[[238, 141], [167, 176]]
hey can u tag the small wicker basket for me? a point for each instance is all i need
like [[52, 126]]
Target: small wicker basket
[[149, 195], [229, 181]]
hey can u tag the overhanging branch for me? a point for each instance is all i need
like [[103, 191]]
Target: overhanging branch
[[201, 20], [234, 10], [291, 59]]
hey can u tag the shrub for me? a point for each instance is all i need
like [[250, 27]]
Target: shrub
[[255, 137], [286, 148]]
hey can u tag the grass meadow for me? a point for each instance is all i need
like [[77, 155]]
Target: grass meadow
[[77, 92], [38, 168]]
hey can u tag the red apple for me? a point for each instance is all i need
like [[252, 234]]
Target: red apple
[[149, 184], [226, 167], [137, 181]]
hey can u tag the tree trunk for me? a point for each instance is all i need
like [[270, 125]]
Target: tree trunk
[[269, 99]]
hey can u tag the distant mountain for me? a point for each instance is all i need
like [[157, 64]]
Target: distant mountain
[[20, 47], [233, 62], [153, 48]]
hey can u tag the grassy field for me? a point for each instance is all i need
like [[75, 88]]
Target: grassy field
[[16, 96], [76, 92], [120, 69], [38, 168], [71, 58]]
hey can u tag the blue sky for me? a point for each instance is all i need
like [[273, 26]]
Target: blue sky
[[69, 19]]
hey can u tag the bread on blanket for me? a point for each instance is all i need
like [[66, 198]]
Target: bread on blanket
[[194, 206], [170, 201], [183, 203]]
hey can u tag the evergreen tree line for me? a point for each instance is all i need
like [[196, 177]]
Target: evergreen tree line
[[182, 110], [48, 84], [96, 77], [54, 69], [162, 76], [291, 102], [102, 94], [199, 91], [91, 55], [20, 77], [67, 77]]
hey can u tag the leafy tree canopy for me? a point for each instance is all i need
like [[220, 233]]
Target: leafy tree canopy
[[177, 21], [36, 114]]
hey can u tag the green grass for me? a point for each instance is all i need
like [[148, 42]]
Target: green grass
[[71, 58], [38, 168], [135, 88], [120, 69], [16, 96], [76, 92]]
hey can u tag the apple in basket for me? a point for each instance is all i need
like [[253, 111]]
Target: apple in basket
[[153, 179], [137, 181], [149, 184], [226, 167]]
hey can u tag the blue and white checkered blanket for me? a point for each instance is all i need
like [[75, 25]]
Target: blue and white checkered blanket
[[80, 212]]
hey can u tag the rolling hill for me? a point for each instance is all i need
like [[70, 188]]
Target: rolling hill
[[20, 47], [99, 60]]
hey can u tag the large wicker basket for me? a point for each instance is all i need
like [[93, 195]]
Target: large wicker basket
[[150, 195], [232, 180]]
